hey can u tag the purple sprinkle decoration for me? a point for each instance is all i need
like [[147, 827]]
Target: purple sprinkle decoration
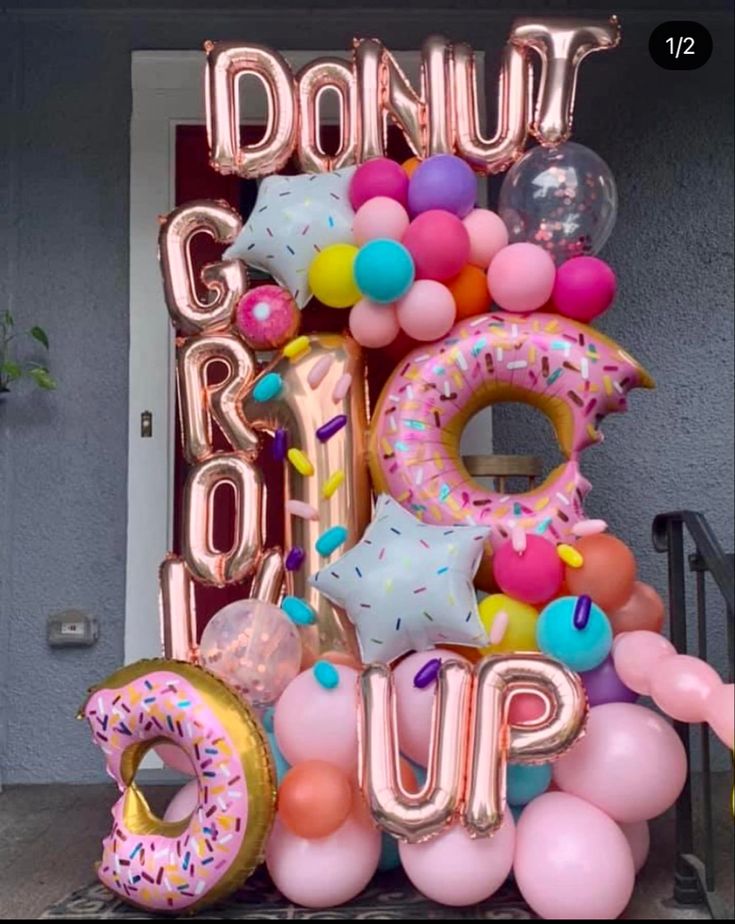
[[327, 430], [280, 444], [582, 612], [428, 673], [295, 558]]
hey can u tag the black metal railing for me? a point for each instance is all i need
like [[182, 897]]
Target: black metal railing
[[694, 877]]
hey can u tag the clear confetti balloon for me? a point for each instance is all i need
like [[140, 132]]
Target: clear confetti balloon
[[563, 198], [254, 647]]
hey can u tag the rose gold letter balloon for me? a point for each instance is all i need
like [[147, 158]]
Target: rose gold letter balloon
[[226, 64], [321, 75], [414, 817], [562, 45], [227, 281], [178, 611], [494, 741]]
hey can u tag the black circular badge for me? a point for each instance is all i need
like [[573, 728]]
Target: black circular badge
[[680, 45]]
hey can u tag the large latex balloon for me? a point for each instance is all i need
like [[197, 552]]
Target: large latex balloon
[[682, 685], [564, 199], [635, 655], [638, 837]]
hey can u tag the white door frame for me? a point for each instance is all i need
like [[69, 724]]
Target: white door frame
[[168, 91]]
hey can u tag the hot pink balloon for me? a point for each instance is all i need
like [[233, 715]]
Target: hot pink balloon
[[373, 325], [427, 311], [638, 837], [572, 862], [635, 655], [315, 723], [380, 176], [183, 803], [488, 235], [721, 713], [380, 217], [439, 244], [584, 287], [681, 686], [630, 763], [533, 575], [325, 871], [456, 869], [521, 277]]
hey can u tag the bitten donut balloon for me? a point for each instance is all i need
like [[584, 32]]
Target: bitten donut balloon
[[174, 867], [570, 372]]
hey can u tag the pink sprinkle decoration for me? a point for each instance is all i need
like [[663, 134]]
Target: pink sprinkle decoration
[[499, 627], [318, 372], [518, 539], [589, 527], [341, 387], [300, 509]]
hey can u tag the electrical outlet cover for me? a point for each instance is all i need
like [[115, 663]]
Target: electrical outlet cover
[[71, 627]]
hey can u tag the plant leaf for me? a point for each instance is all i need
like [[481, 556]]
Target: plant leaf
[[38, 333], [43, 378], [11, 370]]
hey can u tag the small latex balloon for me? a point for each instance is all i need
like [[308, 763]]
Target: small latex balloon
[[681, 686], [721, 713], [326, 871], [638, 837], [644, 609], [427, 311], [571, 861], [527, 781], [267, 317], [314, 799], [469, 291], [439, 244], [254, 647], [521, 277], [380, 218], [378, 177], [519, 633], [184, 802], [525, 708], [410, 165], [635, 656], [561, 634], [456, 869], [383, 270], [373, 325], [331, 276], [584, 287], [533, 575], [603, 685], [442, 182], [631, 763], [563, 199], [607, 573], [174, 758], [488, 235]]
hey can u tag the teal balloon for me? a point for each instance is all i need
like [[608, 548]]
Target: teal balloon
[[580, 649], [525, 782], [389, 856], [279, 761], [384, 270], [515, 811]]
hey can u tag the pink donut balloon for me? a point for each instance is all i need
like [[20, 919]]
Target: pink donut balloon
[[570, 372]]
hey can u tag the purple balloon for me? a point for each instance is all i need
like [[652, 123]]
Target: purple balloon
[[604, 686], [442, 182]]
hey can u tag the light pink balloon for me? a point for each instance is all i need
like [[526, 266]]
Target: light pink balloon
[[325, 871], [635, 654], [414, 704], [380, 217], [721, 713], [427, 311], [638, 837], [681, 686], [374, 325], [521, 277], [183, 803], [571, 861], [488, 235], [175, 758], [314, 723], [630, 763], [456, 869]]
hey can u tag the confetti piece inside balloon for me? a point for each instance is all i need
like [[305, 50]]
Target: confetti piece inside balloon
[[318, 372], [518, 539], [428, 673], [295, 558], [589, 527], [569, 555], [341, 387], [280, 444], [298, 611], [326, 675], [327, 430], [330, 540], [499, 627], [333, 483], [582, 612], [296, 347], [300, 462], [269, 387], [298, 508]]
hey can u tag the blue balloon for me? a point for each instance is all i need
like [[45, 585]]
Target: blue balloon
[[384, 270], [526, 781], [562, 636]]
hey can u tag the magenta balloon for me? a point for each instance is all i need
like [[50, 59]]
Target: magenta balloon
[[638, 837], [584, 287], [378, 177], [630, 763], [572, 862], [183, 803], [681, 686]]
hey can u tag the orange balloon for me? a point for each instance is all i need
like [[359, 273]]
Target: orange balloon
[[607, 573], [411, 164], [470, 291], [408, 777], [644, 609], [314, 799]]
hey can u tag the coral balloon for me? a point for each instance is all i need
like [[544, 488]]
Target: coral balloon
[[607, 573], [533, 575], [630, 763], [521, 277], [469, 291], [427, 311], [378, 177], [638, 837], [442, 182], [644, 609], [331, 276], [488, 235], [380, 218], [635, 655], [314, 799], [439, 244], [519, 632], [681, 686], [721, 713], [571, 861], [373, 325], [584, 287]]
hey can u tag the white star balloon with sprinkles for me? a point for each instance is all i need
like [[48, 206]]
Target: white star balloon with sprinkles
[[407, 585], [293, 219]]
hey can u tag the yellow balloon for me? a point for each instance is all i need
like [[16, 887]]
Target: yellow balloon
[[520, 632], [331, 277]]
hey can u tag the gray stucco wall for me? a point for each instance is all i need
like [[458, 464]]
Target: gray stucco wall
[[64, 173]]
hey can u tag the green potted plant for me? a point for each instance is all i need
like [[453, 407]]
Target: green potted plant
[[11, 369]]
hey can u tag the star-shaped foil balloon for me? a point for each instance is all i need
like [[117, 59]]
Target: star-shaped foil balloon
[[294, 218], [407, 585]]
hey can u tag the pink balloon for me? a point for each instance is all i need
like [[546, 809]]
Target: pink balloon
[[584, 287], [378, 177], [681, 686], [630, 763], [427, 311], [635, 654], [571, 861], [521, 277], [183, 803], [639, 840], [721, 713], [325, 871], [174, 758], [315, 723], [439, 244], [532, 576], [380, 217], [488, 235], [456, 869], [373, 325]]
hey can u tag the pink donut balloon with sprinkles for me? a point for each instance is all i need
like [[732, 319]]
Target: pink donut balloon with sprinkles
[[267, 317]]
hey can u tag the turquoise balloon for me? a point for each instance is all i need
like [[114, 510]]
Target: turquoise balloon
[[384, 270], [581, 649], [515, 811], [279, 761], [526, 781], [389, 856]]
